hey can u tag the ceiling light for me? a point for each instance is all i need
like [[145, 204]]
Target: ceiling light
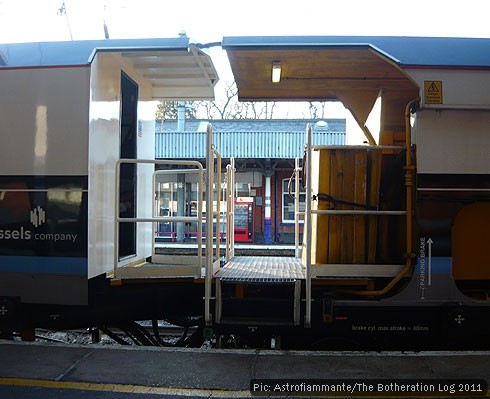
[[276, 72]]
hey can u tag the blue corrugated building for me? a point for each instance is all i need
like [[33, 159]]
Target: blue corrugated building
[[264, 152], [246, 138]]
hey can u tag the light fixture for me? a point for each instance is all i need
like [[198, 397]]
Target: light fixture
[[276, 72]]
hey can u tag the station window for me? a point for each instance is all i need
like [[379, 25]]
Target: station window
[[288, 202], [242, 189]]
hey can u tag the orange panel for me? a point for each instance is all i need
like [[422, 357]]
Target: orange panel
[[470, 241]]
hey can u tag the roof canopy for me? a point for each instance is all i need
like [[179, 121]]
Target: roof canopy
[[353, 70], [174, 68], [176, 74], [407, 51]]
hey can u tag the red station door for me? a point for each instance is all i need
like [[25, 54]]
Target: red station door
[[244, 219]]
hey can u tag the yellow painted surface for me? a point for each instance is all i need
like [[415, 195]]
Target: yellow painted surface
[[124, 388]]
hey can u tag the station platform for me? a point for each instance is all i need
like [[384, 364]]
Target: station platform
[[238, 246], [210, 373]]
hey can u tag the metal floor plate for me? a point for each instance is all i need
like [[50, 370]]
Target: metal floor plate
[[262, 269]]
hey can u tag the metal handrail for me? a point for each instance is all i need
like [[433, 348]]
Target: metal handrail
[[210, 153], [308, 222], [297, 213], [218, 205], [118, 219], [209, 225], [352, 212], [230, 214], [177, 219]]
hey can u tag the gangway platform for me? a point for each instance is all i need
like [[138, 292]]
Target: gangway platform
[[262, 269]]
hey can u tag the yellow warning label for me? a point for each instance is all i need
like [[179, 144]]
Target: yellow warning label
[[433, 91]]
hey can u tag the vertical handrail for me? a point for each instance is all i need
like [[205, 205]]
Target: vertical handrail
[[232, 202], [200, 193], [154, 225], [230, 210], [308, 225], [296, 208], [409, 181], [218, 207], [116, 216], [209, 224]]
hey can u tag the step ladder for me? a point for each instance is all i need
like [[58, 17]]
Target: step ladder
[[261, 290]]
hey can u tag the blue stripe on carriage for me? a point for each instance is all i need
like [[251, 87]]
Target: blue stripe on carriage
[[43, 264]]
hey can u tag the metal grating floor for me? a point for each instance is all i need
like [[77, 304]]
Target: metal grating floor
[[262, 269]]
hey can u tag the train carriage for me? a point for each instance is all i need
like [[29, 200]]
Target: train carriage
[[394, 244], [395, 249], [69, 111]]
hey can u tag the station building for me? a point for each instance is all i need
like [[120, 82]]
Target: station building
[[265, 151]]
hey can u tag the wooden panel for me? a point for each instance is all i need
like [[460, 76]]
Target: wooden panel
[[360, 198], [320, 223], [375, 161], [348, 194], [335, 228], [315, 180], [353, 176], [324, 171]]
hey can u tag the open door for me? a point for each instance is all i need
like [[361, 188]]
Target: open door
[[127, 193]]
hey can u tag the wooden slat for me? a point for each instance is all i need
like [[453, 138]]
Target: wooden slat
[[360, 198], [320, 223], [324, 187], [374, 201], [347, 254], [335, 228]]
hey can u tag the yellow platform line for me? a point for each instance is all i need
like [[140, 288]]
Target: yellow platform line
[[172, 391], [124, 388]]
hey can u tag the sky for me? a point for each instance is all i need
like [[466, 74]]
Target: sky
[[209, 21], [205, 21]]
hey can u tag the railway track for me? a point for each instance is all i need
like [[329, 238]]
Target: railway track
[[170, 333]]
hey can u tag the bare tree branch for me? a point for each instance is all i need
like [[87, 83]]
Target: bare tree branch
[[227, 107]]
